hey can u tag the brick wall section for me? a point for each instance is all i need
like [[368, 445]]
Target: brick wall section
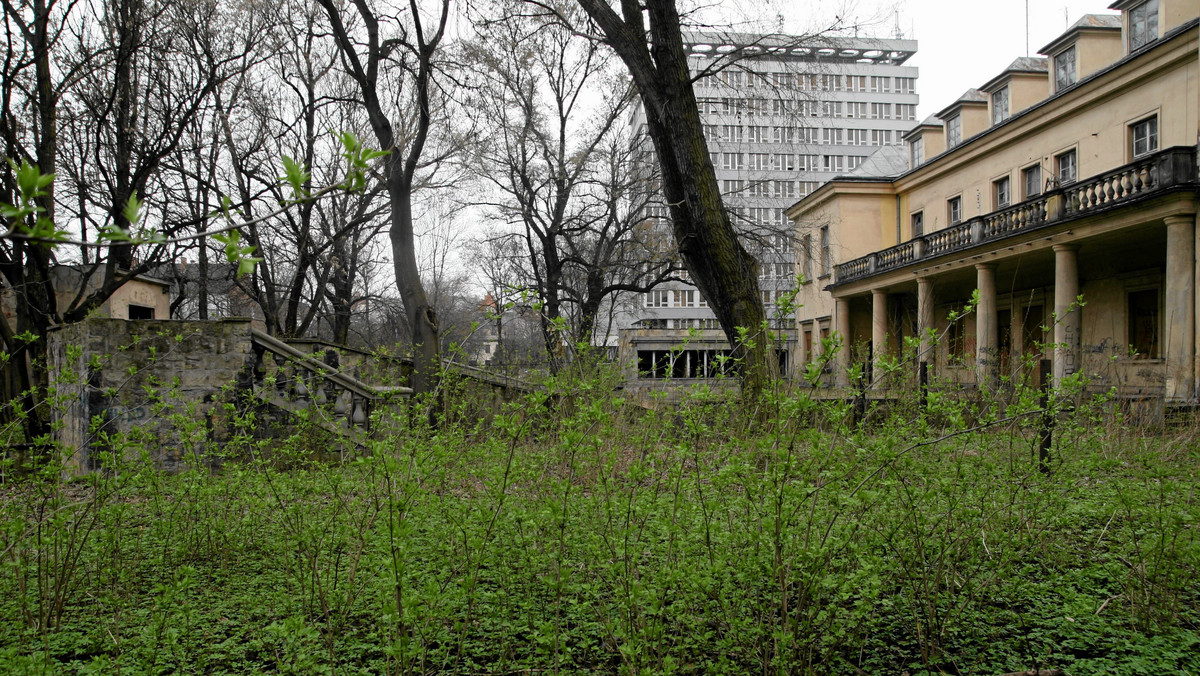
[[131, 377]]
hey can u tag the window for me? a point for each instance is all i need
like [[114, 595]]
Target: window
[[760, 161], [953, 131], [806, 257], [785, 189], [140, 312], [832, 136], [1000, 105], [856, 83], [856, 137], [856, 110], [756, 134], [855, 161], [732, 161], [1032, 178], [956, 339], [1065, 167], [732, 186], [832, 163], [918, 224], [954, 210], [1144, 323], [826, 256], [732, 133], [916, 151], [785, 162], [1064, 69], [808, 162], [881, 111], [881, 84], [881, 137], [1001, 195], [906, 85], [784, 134], [1145, 136], [760, 189], [1143, 24], [831, 108], [657, 298], [906, 111]]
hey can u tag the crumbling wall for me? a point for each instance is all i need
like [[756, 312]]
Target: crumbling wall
[[161, 383]]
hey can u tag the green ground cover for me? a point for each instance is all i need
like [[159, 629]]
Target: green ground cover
[[582, 535]]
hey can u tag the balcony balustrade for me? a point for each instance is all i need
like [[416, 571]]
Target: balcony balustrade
[[1151, 175]]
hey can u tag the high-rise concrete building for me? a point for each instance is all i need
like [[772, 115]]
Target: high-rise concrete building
[[781, 117]]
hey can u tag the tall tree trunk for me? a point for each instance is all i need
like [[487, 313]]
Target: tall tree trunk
[[724, 271]]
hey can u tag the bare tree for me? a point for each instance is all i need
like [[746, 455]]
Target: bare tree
[[561, 170], [373, 59], [647, 36], [127, 77]]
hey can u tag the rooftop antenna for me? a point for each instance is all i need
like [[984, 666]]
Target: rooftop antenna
[[899, 34]]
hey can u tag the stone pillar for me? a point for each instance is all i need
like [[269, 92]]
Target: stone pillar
[[842, 326], [987, 327], [926, 320], [879, 330], [1068, 326], [1179, 316]]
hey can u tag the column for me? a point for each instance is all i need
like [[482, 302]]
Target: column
[[925, 319], [842, 326], [987, 328], [1179, 311], [1067, 321], [1016, 338], [879, 330]]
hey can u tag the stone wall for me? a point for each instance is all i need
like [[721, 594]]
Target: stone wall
[[116, 379]]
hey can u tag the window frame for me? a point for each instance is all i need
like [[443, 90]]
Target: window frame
[[1150, 123], [954, 210], [954, 130], [1070, 54], [1156, 347], [916, 151], [1026, 172], [1002, 192], [999, 96], [1136, 39], [916, 224], [1058, 165]]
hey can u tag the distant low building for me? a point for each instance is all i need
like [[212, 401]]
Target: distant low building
[[142, 297]]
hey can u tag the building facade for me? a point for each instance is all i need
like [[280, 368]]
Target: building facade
[[1050, 213], [780, 119]]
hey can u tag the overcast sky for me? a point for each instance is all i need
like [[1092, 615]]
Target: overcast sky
[[960, 43]]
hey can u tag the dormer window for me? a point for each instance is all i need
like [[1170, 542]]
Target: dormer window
[[1143, 24], [953, 131], [1064, 69], [916, 150], [1000, 105]]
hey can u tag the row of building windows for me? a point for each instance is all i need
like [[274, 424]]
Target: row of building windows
[[1143, 141], [778, 189], [856, 110], [736, 133], [771, 162], [816, 82]]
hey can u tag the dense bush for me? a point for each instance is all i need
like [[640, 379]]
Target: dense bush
[[575, 533]]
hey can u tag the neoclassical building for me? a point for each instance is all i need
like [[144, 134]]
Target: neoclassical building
[[1061, 195]]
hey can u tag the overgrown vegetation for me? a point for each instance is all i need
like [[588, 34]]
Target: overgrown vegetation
[[575, 533]]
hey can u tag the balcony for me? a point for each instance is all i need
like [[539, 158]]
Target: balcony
[[1161, 172]]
